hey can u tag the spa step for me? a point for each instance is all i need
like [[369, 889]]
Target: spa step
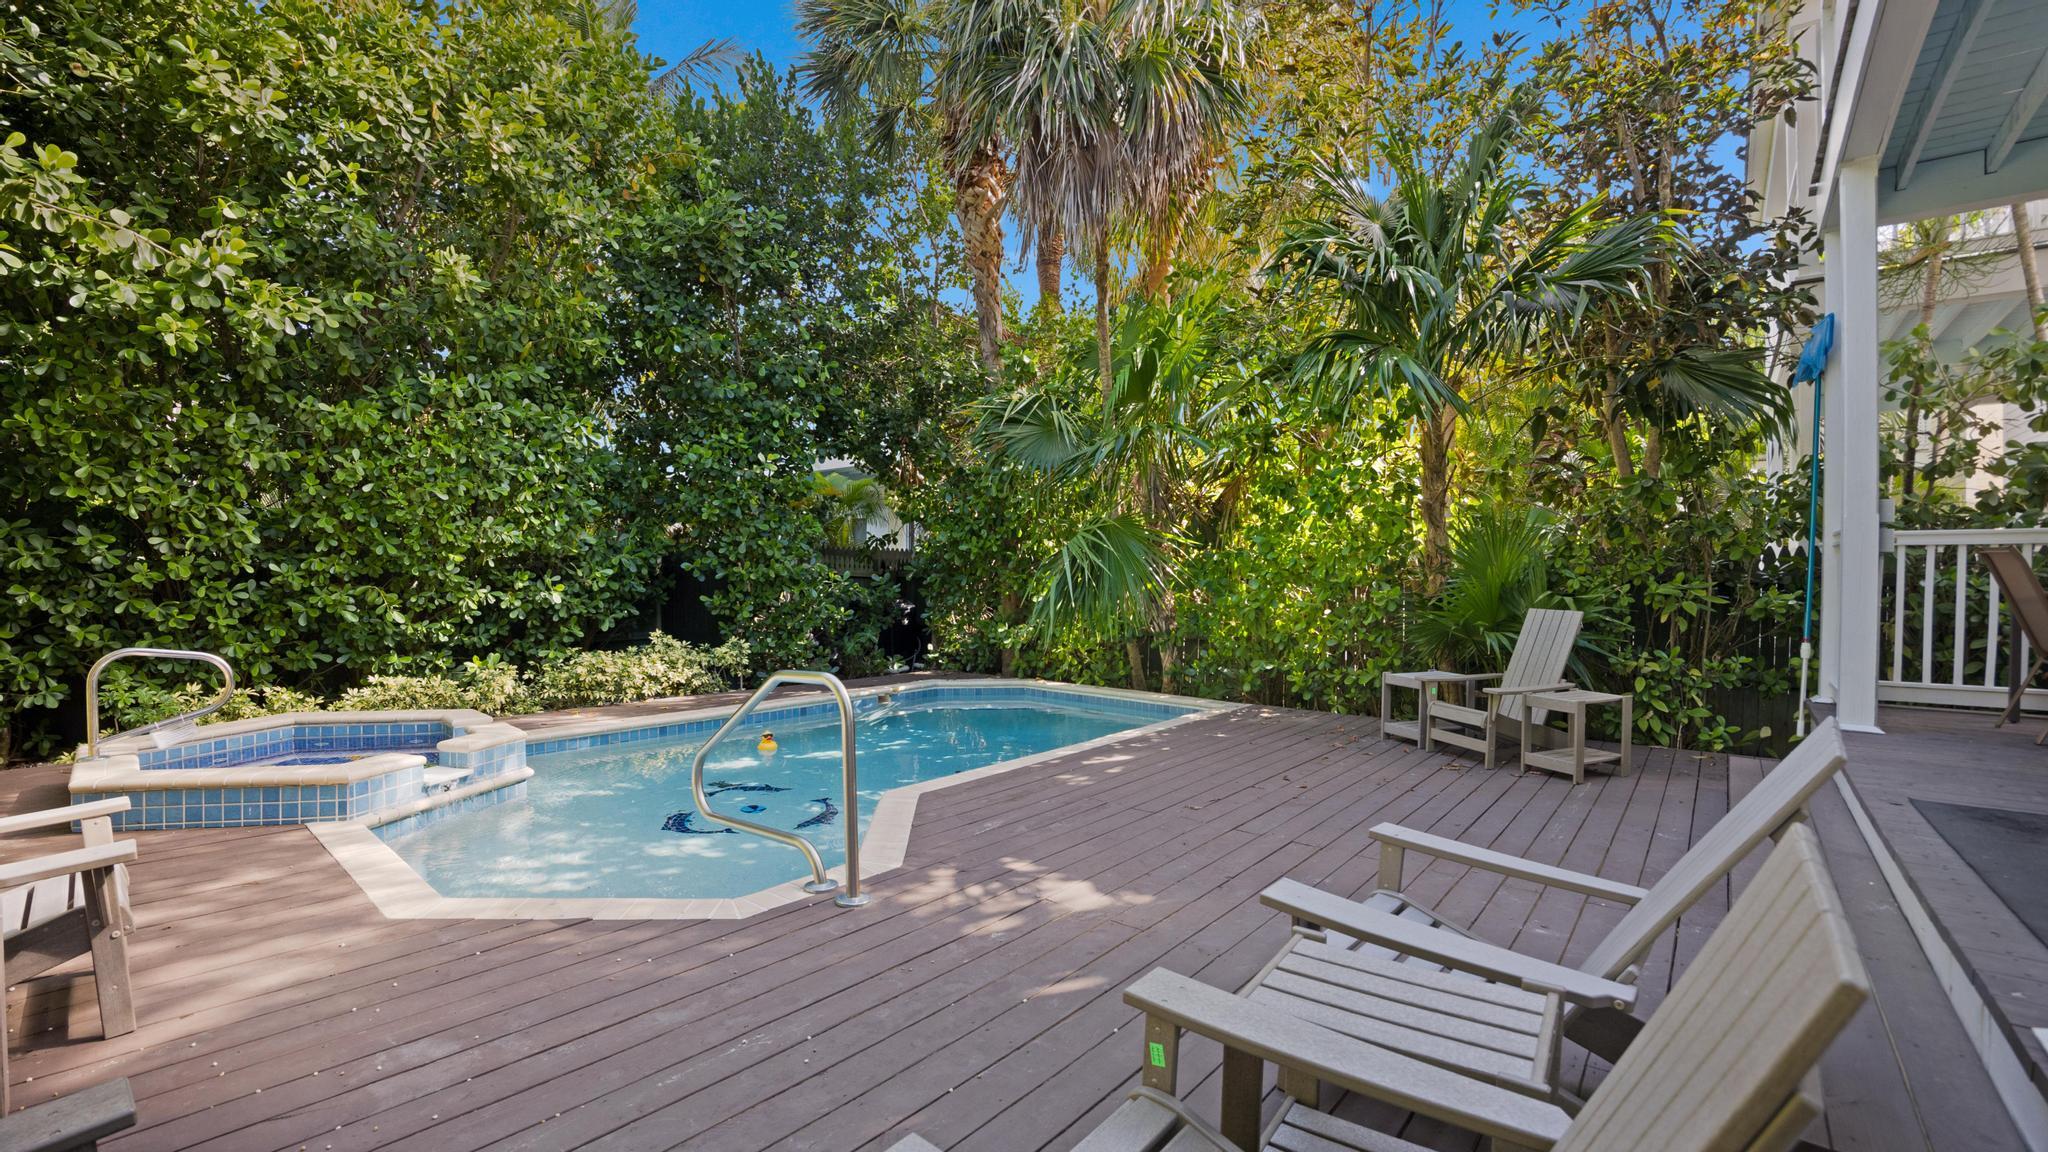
[[434, 779]]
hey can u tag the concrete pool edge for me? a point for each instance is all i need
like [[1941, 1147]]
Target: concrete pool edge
[[400, 893]]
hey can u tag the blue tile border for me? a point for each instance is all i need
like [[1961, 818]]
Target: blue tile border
[[292, 739], [1120, 706]]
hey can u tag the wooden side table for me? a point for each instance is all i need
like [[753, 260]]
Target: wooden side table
[[1572, 759], [1426, 686]]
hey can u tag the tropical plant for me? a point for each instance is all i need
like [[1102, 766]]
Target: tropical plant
[[307, 364], [886, 61], [700, 65], [1155, 475], [1439, 291], [846, 504], [1115, 108], [1498, 573]]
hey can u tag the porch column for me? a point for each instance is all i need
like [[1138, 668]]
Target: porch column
[[1851, 565]]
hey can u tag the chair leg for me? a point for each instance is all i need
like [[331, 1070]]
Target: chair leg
[[1579, 745], [109, 954], [1243, 1090]]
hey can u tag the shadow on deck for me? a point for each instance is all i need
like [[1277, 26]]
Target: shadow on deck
[[976, 1001]]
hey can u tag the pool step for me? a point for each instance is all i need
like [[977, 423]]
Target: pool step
[[436, 779]]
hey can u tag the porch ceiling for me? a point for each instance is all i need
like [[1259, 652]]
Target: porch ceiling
[[1972, 123]]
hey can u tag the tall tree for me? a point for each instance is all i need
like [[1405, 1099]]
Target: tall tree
[[1644, 96], [1437, 288], [887, 60], [1117, 109], [2030, 265]]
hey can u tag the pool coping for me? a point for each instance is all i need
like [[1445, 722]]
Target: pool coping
[[400, 893]]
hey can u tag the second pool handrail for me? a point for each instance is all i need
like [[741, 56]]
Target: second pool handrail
[[170, 723]]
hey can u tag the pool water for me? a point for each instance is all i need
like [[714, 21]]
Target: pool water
[[618, 821]]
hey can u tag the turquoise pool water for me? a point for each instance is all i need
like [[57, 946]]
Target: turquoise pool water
[[618, 820]]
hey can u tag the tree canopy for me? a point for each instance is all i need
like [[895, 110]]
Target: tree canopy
[[402, 337]]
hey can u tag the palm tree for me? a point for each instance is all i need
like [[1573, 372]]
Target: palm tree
[[700, 65], [886, 59], [846, 504], [1116, 108], [1146, 459], [1438, 288]]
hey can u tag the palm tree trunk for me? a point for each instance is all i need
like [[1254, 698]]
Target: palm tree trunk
[[1930, 297], [1653, 451], [1164, 238], [978, 194], [2030, 268], [1439, 433], [1052, 251], [1102, 360], [1134, 651], [1615, 420]]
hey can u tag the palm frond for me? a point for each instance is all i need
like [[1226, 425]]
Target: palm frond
[[868, 56], [1035, 430], [1724, 385], [1109, 574], [1498, 573], [700, 65]]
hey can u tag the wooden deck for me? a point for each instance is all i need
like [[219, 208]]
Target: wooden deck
[[1961, 758], [976, 1001]]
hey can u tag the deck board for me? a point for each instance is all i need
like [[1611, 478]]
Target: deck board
[[977, 1001]]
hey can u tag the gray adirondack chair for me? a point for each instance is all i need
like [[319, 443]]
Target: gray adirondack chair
[[67, 904], [2022, 590], [1389, 971], [1725, 1065], [1500, 710], [74, 1123]]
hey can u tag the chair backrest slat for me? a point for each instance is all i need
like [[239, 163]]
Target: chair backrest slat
[[1718, 1061], [1780, 795], [1542, 649], [2022, 589]]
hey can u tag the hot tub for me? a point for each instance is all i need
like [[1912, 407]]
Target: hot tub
[[304, 768]]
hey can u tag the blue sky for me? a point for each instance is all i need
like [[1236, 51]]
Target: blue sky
[[670, 28]]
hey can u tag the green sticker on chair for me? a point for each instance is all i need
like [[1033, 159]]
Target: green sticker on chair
[[1157, 1051]]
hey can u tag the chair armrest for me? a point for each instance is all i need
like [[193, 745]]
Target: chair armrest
[[1547, 875], [1443, 946], [50, 817], [1295, 1043], [75, 1121], [1560, 686], [35, 868]]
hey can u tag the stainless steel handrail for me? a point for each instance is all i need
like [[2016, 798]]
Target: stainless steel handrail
[[819, 882], [92, 691]]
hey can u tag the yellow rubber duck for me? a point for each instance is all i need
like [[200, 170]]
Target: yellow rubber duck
[[767, 746]]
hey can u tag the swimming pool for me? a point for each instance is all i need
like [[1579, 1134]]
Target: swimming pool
[[610, 816]]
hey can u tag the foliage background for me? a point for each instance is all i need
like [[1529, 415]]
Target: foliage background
[[404, 350]]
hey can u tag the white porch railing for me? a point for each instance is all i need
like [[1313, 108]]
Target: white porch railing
[[1945, 639]]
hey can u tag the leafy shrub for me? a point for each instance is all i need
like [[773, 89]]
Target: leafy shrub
[[262, 700], [664, 666], [1498, 573], [1672, 704], [286, 378], [487, 687]]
